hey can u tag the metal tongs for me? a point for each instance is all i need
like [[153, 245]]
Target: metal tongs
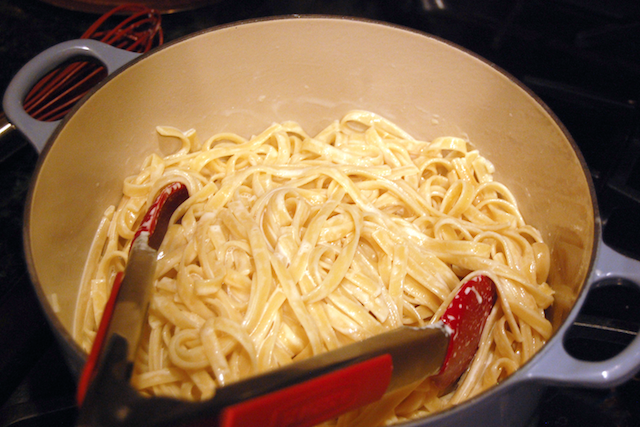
[[302, 394]]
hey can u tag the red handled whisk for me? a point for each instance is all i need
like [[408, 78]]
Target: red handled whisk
[[54, 95]]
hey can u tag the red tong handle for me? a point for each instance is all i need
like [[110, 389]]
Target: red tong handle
[[466, 315], [322, 397], [332, 394], [155, 222], [98, 343], [325, 397]]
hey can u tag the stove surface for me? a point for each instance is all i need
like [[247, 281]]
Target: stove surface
[[581, 57]]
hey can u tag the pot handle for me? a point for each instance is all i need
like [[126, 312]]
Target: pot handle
[[38, 132], [557, 367]]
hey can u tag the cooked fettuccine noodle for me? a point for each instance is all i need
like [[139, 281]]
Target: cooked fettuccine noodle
[[291, 245]]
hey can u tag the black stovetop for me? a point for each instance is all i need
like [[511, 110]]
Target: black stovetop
[[582, 57]]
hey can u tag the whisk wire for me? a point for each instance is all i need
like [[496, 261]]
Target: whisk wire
[[54, 95]]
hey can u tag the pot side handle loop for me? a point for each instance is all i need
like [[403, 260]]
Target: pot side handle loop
[[556, 366], [36, 131]]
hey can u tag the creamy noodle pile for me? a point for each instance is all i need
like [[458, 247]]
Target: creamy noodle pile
[[291, 245]]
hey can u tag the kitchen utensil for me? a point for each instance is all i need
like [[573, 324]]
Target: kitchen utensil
[[100, 6], [126, 308], [244, 76], [138, 30], [301, 394]]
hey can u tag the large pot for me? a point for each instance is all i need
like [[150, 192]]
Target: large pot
[[312, 70]]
